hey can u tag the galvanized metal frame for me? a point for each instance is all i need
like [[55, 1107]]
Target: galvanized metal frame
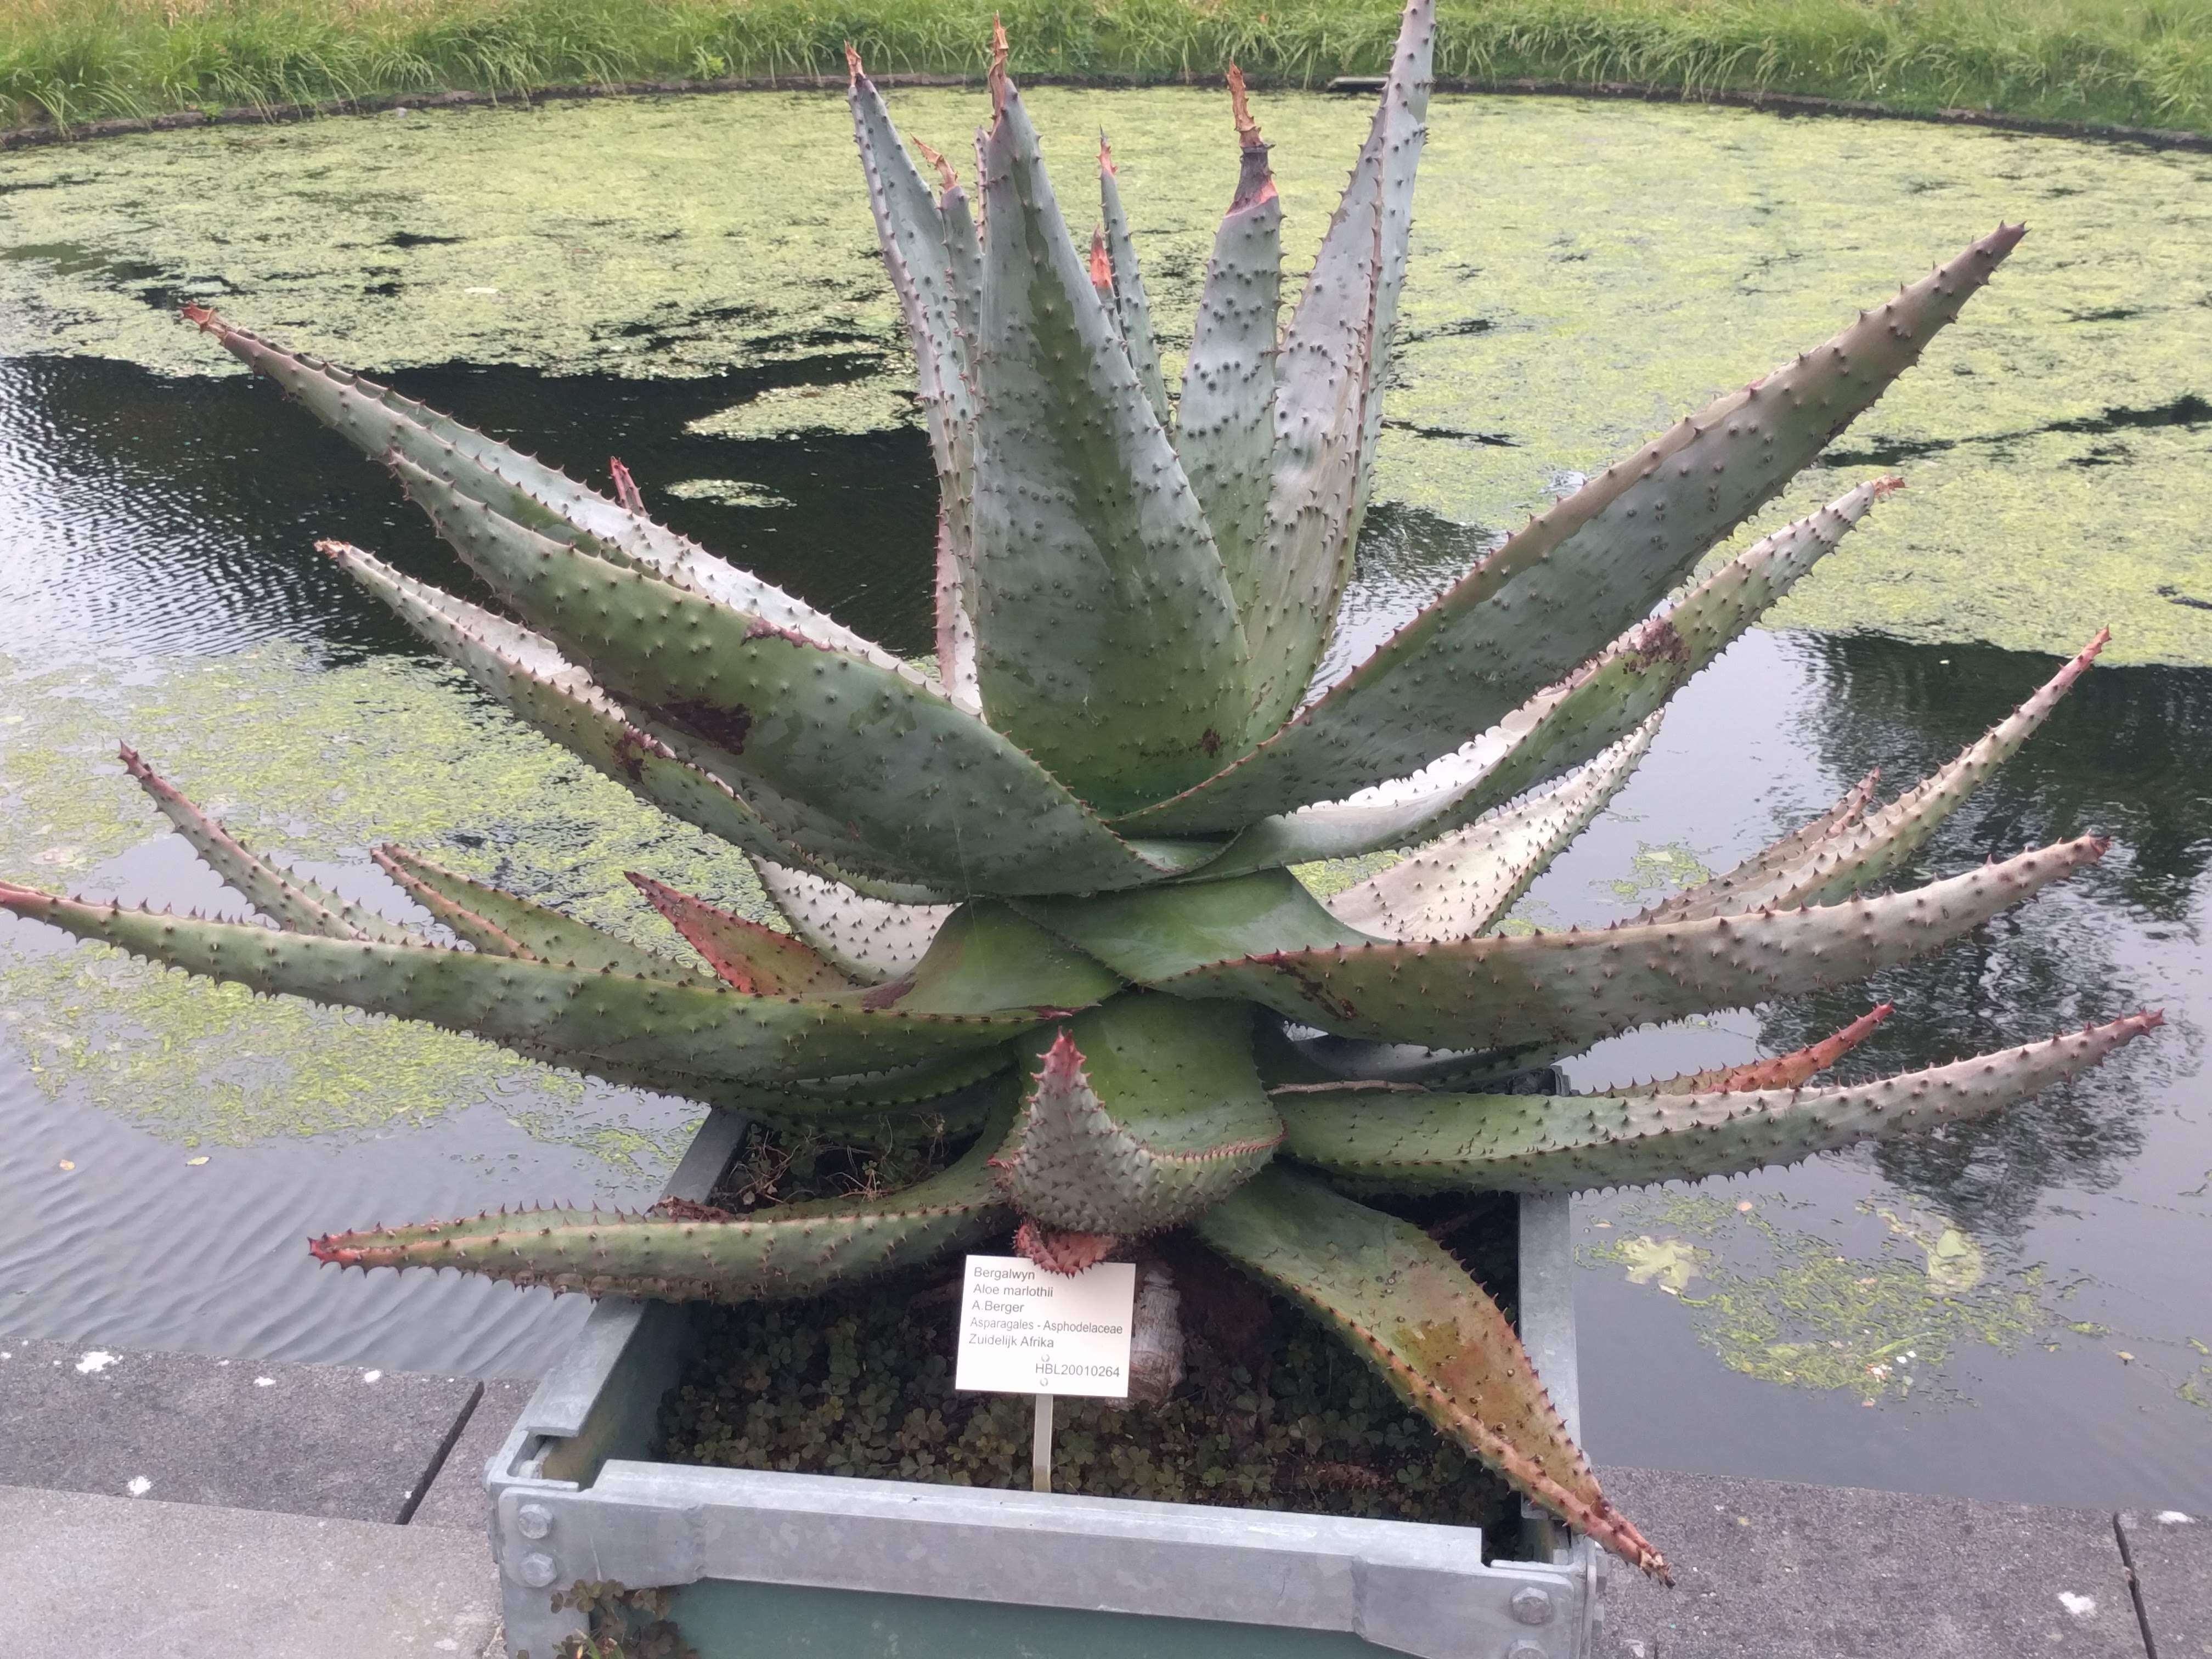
[[574, 1499]]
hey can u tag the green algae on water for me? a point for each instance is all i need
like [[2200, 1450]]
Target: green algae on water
[[1582, 273], [1795, 1308]]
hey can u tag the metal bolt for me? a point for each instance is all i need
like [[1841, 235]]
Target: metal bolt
[[535, 1521], [1530, 1605], [537, 1570], [1524, 1649]]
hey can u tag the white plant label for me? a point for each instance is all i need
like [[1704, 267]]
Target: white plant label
[[1025, 1331]]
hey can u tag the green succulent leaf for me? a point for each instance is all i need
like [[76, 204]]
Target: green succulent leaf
[[1717, 896], [1393, 1294], [1158, 934], [755, 959], [1777, 1071], [1328, 407], [1459, 886], [1575, 577], [526, 674], [922, 250], [869, 939], [1132, 312], [855, 1103], [927, 791], [1855, 856], [1107, 642], [380, 422], [699, 1253], [1570, 989], [1139, 1114], [702, 1028], [291, 900], [1575, 1143], [507, 925], [988, 957], [1226, 419]]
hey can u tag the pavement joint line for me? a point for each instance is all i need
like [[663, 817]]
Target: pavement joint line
[[444, 1450]]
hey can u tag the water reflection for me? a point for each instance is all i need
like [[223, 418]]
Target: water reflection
[[161, 515]]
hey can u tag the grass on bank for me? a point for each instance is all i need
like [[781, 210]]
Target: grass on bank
[[2137, 63]]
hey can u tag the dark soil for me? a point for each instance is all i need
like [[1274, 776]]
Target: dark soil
[[1274, 1412]]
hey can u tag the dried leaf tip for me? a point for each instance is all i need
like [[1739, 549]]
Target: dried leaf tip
[[626, 490], [1254, 183], [1885, 488], [852, 64], [946, 178], [1247, 130], [999, 82], [1101, 268], [1106, 156]]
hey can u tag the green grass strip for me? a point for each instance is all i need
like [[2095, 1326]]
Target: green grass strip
[[2132, 63]]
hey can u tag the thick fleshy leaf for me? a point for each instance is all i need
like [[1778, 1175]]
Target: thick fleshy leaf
[[870, 939], [698, 1254], [1132, 312], [700, 1028], [1716, 896], [1642, 670], [1572, 1142], [988, 956], [855, 1103], [1392, 1293], [1107, 642], [926, 790], [1788, 1071], [527, 675], [1138, 1115], [291, 901], [1225, 424], [1575, 577], [1573, 988], [380, 422], [755, 959], [918, 244], [1162, 932], [508, 925], [1461, 885], [1861, 855], [1328, 410]]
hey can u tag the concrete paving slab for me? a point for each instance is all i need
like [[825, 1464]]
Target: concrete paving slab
[[2171, 1553], [134, 1578], [326, 1440], [457, 1497], [1765, 1570]]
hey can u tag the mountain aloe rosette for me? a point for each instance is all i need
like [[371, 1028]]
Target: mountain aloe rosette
[[1045, 889]]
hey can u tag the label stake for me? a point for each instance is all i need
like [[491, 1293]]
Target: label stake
[[1041, 1446]]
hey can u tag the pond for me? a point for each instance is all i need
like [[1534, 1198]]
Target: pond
[[2016, 1309]]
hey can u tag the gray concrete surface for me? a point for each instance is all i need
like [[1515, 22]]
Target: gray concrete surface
[[457, 1497], [1765, 1569], [2171, 1555], [83, 1575], [323, 1440]]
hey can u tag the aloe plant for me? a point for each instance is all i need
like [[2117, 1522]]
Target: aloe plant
[[1045, 888]]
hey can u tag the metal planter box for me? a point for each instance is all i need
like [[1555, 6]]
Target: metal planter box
[[773, 1566]]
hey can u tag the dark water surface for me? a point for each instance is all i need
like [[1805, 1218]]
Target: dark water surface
[[2018, 1308]]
